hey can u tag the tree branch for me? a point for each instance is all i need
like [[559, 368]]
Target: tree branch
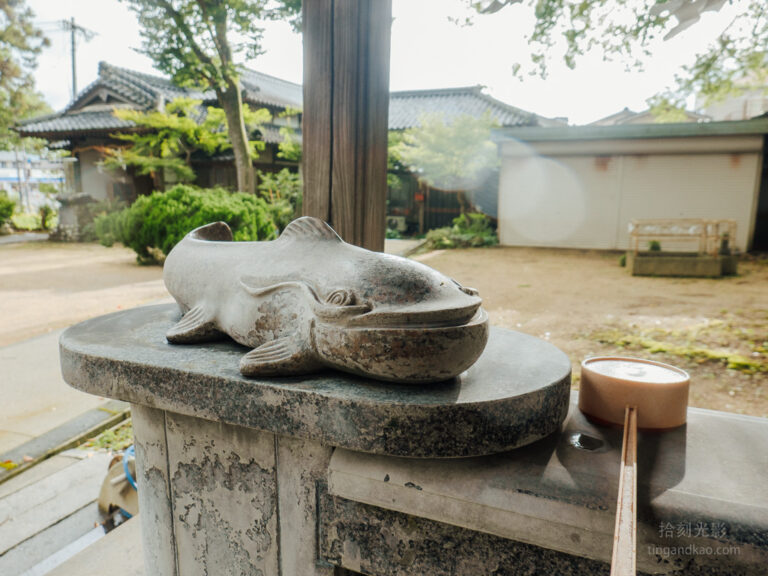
[[185, 30]]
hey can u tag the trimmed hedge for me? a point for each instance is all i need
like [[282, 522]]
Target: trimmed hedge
[[154, 224]]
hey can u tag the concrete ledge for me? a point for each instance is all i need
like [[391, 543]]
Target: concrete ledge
[[700, 488]]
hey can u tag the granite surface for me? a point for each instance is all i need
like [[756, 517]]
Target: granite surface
[[516, 393]]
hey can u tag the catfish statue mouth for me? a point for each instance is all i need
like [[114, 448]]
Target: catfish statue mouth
[[415, 318], [407, 354], [308, 301]]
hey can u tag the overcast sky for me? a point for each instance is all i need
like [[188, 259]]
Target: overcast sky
[[428, 51]]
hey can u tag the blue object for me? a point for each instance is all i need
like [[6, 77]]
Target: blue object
[[130, 452]]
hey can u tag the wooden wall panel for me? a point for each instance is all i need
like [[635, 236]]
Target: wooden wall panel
[[316, 124]]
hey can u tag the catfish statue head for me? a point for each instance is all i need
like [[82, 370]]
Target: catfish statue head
[[344, 307]]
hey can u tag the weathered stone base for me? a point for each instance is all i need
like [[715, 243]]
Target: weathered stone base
[[365, 539], [370, 540], [681, 264], [229, 500], [225, 500], [65, 234]]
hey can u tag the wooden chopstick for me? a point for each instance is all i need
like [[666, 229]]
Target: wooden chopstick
[[624, 559]]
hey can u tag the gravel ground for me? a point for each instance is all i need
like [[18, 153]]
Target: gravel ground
[[45, 286], [586, 304]]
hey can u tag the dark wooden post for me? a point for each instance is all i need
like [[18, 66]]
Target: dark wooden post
[[345, 118]]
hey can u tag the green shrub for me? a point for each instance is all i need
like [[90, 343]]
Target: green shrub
[[392, 234], [154, 224], [623, 260], [88, 213], [106, 227], [282, 213], [654, 246], [7, 207], [468, 231], [28, 221]]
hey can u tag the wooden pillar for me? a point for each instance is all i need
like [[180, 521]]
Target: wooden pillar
[[345, 118]]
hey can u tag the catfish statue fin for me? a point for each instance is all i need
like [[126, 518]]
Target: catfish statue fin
[[309, 228], [284, 356], [215, 231], [197, 325], [251, 284]]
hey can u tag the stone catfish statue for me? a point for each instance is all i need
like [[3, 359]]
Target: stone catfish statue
[[308, 300]]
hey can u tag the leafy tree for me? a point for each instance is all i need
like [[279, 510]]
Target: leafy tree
[[289, 147], [626, 29], [20, 43], [454, 155], [197, 42], [394, 163], [283, 191], [169, 137]]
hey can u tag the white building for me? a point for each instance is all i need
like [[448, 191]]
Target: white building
[[579, 187], [21, 174]]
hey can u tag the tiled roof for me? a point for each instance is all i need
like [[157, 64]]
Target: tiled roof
[[145, 91], [271, 133], [105, 122], [407, 108], [266, 89], [74, 122]]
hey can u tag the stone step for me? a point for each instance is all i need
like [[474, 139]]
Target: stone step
[[48, 508], [119, 553], [70, 434]]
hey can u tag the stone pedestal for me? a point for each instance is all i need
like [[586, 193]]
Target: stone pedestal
[[233, 471], [223, 499]]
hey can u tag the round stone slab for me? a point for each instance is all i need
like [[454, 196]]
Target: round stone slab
[[516, 393]]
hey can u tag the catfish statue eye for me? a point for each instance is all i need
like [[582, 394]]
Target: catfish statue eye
[[340, 298]]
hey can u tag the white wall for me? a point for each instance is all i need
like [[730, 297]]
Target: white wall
[[92, 181], [578, 195]]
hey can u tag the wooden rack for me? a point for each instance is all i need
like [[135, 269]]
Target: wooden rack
[[709, 234]]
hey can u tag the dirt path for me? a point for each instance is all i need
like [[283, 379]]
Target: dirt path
[[45, 286], [586, 304]]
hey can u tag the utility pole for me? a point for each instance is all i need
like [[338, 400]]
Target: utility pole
[[73, 43], [75, 29]]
